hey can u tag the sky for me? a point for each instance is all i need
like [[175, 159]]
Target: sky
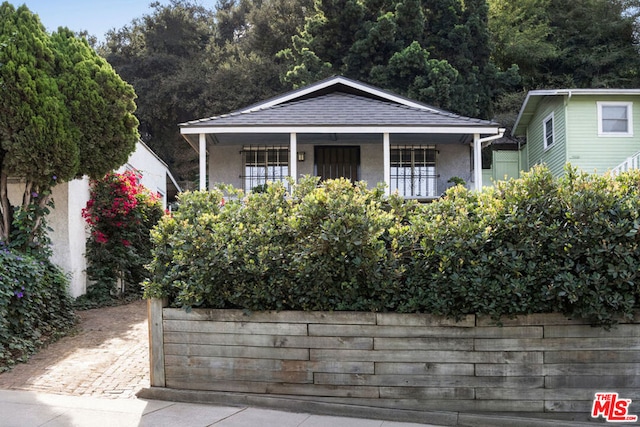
[[95, 16]]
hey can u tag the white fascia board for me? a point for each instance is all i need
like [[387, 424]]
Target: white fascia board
[[490, 130], [331, 82]]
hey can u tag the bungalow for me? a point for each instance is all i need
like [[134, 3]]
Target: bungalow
[[342, 128], [591, 129]]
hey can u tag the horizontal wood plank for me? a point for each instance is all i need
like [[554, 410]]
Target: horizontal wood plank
[[587, 331], [427, 356], [324, 390], [428, 381], [430, 343], [236, 351], [577, 406], [557, 344], [509, 369], [279, 341], [235, 327], [188, 373], [592, 356], [417, 331], [271, 364], [420, 362], [573, 369], [230, 315], [424, 368], [403, 319], [427, 393], [530, 320], [594, 382]]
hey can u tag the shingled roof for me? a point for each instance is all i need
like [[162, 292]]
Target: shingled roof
[[338, 109], [338, 102]]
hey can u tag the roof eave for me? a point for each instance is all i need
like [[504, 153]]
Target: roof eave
[[446, 129]]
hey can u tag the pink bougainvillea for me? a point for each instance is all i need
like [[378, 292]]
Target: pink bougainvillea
[[120, 214]]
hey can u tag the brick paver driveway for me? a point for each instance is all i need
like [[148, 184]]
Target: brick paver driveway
[[108, 357]]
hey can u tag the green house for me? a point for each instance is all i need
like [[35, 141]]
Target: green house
[[595, 130]]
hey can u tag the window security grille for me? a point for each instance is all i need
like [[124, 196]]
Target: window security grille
[[262, 164], [413, 171]]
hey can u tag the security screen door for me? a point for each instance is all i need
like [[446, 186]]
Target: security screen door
[[337, 162]]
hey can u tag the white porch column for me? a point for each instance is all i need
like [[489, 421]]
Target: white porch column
[[203, 161], [477, 162], [386, 155], [293, 156]]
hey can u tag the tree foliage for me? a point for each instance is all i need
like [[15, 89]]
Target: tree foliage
[[582, 43], [435, 51], [190, 62], [474, 57], [64, 112]]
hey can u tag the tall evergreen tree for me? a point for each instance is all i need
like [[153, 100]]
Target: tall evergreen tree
[[436, 50], [581, 43], [597, 43], [64, 112], [162, 55]]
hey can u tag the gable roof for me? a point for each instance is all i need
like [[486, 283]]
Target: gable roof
[[341, 103], [337, 109], [534, 97]]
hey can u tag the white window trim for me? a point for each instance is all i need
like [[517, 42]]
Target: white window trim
[[629, 106], [553, 131]]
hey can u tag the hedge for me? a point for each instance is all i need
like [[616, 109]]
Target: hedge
[[532, 245]]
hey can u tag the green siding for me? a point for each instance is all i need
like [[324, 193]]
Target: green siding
[[590, 152], [506, 165], [524, 159], [555, 156], [487, 177]]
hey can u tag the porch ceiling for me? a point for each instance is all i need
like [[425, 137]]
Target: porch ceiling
[[333, 138]]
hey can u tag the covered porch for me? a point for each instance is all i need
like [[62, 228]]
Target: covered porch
[[342, 128]]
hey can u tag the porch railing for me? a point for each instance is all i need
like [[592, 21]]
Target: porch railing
[[630, 163]]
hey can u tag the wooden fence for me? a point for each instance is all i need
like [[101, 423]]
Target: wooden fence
[[542, 366]]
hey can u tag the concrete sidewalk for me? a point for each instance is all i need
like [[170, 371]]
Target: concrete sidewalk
[[34, 409]]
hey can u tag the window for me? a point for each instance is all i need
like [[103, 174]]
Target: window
[[263, 164], [614, 119], [548, 131], [413, 171]]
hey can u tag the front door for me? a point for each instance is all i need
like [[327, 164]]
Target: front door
[[333, 162]]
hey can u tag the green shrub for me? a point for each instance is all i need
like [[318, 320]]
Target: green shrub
[[35, 307], [339, 255], [316, 248], [532, 245]]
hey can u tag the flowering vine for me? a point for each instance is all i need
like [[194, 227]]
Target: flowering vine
[[120, 214]]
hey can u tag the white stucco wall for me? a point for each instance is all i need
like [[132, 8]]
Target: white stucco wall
[[154, 171], [453, 160], [68, 235]]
